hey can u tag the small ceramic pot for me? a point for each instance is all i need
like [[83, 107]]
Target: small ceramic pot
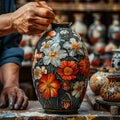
[[97, 80], [110, 91], [60, 70]]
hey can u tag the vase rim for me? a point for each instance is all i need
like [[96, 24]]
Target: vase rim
[[62, 24]]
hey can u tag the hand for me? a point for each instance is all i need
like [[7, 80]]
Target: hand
[[31, 18], [13, 97], [11, 94]]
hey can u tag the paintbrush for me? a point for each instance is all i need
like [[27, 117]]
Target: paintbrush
[[57, 20]]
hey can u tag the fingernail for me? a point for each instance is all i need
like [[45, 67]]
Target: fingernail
[[16, 106]]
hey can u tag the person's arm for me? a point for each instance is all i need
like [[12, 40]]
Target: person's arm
[[11, 94], [6, 24], [29, 19]]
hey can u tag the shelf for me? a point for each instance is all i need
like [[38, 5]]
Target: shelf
[[89, 7]]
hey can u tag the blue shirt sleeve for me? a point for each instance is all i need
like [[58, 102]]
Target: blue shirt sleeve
[[10, 50]]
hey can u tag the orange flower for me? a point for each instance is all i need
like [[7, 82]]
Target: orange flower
[[48, 86], [85, 67], [50, 34], [68, 70], [66, 104]]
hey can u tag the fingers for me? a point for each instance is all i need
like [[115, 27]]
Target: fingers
[[14, 98], [22, 100], [32, 17], [3, 100], [43, 12]]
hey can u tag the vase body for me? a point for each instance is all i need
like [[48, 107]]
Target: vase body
[[111, 90], [60, 70]]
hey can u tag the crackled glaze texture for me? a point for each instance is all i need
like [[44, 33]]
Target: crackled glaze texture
[[60, 70]]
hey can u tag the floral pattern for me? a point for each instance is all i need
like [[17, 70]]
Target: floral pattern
[[48, 86], [60, 69], [68, 70]]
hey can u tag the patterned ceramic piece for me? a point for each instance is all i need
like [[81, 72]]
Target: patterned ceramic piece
[[114, 30], [97, 80], [111, 90], [79, 26], [96, 31], [116, 60], [60, 70]]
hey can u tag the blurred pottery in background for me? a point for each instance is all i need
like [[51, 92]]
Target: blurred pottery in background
[[96, 31], [60, 70], [114, 30], [79, 26]]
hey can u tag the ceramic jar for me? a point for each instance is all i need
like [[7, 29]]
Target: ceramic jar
[[111, 90], [60, 70], [79, 26], [116, 60], [114, 30], [96, 31], [97, 80]]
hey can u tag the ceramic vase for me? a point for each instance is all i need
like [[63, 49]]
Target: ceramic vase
[[97, 80], [96, 31], [116, 60], [110, 91], [79, 26], [114, 30], [60, 70]]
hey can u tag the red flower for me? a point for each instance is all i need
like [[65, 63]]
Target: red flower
[[65, 104], [85, 67], [48, 86], [68, 70], [50, 34]]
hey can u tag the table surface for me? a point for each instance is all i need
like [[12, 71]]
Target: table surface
[[35, 112]]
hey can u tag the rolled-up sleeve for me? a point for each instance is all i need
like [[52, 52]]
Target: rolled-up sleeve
[[12, 55], [10, 50]]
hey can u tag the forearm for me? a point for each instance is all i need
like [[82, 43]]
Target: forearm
[[10, 75], [6, 25]]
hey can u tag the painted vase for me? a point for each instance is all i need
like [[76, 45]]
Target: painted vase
[[97, 80], [114, 30], [79, 26], [60, 70], [116, 60], [96, 31], [110, 91]]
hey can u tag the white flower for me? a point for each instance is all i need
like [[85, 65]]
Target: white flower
[[53, 55], [78, 87], [64, 32], [39, 71], [74, 47], [46, 45]]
